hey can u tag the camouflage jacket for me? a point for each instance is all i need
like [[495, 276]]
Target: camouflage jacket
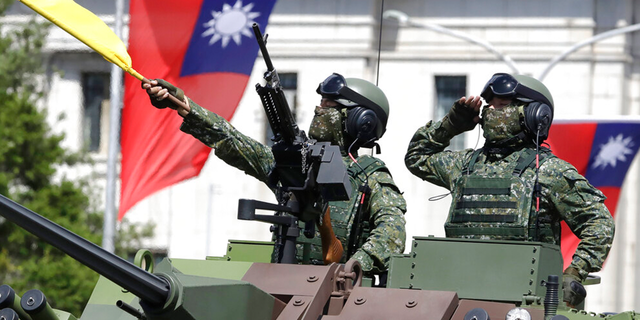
[[566, 195], [386, 204]]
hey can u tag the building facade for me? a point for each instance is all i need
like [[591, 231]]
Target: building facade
[[423, 64]]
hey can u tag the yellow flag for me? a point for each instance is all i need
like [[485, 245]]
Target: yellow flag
[[86, 27]]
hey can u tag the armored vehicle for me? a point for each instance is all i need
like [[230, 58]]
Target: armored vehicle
[[439, 279]]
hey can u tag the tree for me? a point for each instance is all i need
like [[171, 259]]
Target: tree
[[29, 157]]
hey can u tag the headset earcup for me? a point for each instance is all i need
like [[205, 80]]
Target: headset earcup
[[538, 114], [363, 124]]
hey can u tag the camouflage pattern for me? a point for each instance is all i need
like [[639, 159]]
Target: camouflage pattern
[[500, 124], [388, 234], [566, 195], [386, 205], [327, 126], [488, 204]]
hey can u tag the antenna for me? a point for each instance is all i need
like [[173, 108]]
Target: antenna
[[379, 43]]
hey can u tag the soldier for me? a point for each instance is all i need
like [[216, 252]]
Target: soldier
[[499, 192], [353, 122]]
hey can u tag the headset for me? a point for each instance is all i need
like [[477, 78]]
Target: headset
[[536, 118], [364, 124]]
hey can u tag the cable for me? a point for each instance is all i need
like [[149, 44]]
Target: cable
[[479, 134], [355, 161], [379, 43], [536, 186]]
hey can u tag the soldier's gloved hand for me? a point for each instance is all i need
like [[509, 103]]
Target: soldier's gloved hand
[[463, 116], [158, 91], [572, 289]]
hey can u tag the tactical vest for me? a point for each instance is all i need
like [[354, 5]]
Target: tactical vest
[[309, 251], [497, 204]]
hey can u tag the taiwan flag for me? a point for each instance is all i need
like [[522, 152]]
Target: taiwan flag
[[602, 151], [205, 47]]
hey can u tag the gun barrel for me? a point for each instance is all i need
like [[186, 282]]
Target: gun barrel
[[148, 287], [263, 46], [8, 314]]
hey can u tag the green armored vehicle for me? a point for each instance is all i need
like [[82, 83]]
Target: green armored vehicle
[[438, 279]]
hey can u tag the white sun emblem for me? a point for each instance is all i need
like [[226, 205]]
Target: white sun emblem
[[614, 150], [230, 23]]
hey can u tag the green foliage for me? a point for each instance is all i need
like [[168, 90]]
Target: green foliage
[[29, 157]]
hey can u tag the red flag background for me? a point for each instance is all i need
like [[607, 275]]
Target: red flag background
[[183, 42], [601, 151]]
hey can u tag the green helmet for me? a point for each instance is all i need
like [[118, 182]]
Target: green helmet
[[368, 107], [537, 86]]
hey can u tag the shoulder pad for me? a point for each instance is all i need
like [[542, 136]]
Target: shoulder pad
[[368, 163]]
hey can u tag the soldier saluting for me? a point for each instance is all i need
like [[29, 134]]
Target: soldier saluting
[[512, 188]]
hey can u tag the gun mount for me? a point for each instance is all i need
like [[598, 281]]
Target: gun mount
[[307, 173]]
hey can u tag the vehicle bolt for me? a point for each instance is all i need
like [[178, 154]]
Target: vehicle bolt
[[312, 279], [533, 271], [535, 249], [530, 292], [533, 260], [410, 285], [411, 304], [360, 301], [413, 265], [415, 244], [412, 275], [530, 281], [414, 254], [298, 303]]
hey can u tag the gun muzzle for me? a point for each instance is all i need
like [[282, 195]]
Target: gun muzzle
[[8, 314], [9, 299], [35, 304]]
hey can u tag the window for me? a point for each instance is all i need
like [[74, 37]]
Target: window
[[289, 82], [95, 124], [448, 90]]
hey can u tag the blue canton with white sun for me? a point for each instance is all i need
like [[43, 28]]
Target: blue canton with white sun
[[614, 148], [222, 39]]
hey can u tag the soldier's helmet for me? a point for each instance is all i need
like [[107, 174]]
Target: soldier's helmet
[[367, 106], [537, 114]]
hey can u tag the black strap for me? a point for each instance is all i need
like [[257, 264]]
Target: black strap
[[484, 218], [525, 160], [474, 158], [369, 166], [495, 191], [486, 204]]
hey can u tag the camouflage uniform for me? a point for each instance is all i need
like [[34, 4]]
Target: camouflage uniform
[[566, 195], [386, 206]]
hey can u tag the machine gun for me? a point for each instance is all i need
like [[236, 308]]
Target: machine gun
[[307, 173]]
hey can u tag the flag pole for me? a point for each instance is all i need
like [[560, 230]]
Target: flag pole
[[115, 98]]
